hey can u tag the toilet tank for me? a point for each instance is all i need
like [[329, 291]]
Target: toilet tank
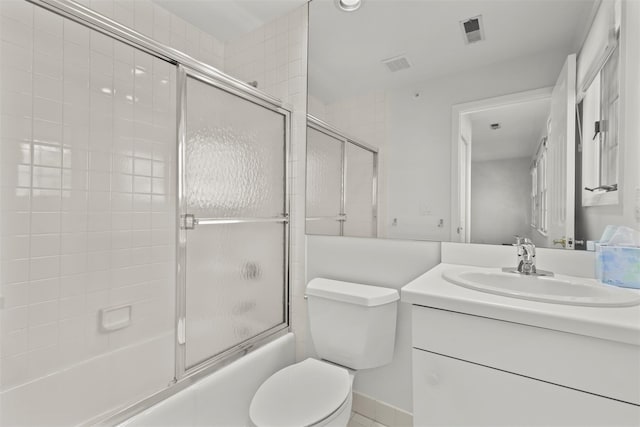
[[352, 324]]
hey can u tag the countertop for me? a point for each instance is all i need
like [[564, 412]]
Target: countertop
[[621, 324]]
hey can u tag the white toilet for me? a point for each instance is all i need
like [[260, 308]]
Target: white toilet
[[353, 326]]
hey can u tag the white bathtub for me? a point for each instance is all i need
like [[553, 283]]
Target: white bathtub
[[222, 398]]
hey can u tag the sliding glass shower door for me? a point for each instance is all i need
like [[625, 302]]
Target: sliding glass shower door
[[342, 183], [325, 184], [232, 277]]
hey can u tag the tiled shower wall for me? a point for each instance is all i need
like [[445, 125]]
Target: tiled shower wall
[[88, 196], [88, 173], [159, 24]]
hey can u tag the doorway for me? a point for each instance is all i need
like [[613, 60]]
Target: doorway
[[497, 143]]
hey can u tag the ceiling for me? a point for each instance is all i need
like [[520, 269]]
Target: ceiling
[[346, 49], [522, 126], [229, 19]]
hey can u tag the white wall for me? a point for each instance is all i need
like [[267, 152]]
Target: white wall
[[500, 200], [378, 262], [591, 221], [419, 138]]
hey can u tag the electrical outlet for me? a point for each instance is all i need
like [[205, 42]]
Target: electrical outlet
[[424, 210]]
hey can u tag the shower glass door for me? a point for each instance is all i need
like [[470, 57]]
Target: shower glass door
[[360, 192], [342, 183], [325, 158], [234, 227]]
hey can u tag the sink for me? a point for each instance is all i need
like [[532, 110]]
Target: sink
[[570, 291]]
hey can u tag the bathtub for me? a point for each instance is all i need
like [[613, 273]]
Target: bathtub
[[222, 398]]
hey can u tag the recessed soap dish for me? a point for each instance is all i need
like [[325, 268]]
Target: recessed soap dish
[[115, 318]]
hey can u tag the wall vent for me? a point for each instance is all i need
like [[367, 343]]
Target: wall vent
[[397, 63], [472, 29]]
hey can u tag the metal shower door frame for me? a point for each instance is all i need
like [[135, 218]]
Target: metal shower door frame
[[237, 351], [325, 128]]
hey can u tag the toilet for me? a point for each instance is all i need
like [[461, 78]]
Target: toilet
[[353, 327]]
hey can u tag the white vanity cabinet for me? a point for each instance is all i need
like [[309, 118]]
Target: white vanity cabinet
[[477, 371]]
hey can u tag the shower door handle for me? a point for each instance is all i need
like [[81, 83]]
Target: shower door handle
[[340, 217], [189, 221]]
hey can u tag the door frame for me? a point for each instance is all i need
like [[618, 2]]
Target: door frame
[[458, 156]]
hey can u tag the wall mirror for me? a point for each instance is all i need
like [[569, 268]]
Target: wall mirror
[[479, 112]]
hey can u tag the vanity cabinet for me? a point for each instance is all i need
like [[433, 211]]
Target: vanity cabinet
[[474, 371]]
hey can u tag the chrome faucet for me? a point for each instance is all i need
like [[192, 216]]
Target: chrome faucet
[[526, 251], [526, 255]]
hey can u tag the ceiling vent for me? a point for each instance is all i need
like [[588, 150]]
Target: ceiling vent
[[397, 63], [472, 29]]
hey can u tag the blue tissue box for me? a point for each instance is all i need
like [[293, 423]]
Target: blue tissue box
[[618, 265]]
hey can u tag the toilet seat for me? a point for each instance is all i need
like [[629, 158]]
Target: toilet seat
[[302, 394]]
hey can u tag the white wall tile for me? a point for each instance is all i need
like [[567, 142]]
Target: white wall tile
[[43, 245], [43, 335], [44, 267], [43, 290], [14, 318], [18, 10], [14, 370], [42, 313], [65, 206], [15, 295], [14, 247], [14, 343], [124, 13], [70, 311]]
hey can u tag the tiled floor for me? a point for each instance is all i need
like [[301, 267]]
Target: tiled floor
[[358, 420]]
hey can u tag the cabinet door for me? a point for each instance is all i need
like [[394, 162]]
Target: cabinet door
[[450, 392]]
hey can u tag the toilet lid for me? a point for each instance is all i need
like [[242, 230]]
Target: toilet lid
[[300, 395]]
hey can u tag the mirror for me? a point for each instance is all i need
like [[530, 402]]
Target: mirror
[[409, 78], [504, 142]]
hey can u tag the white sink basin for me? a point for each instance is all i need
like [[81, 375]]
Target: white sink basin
[[548, 289]]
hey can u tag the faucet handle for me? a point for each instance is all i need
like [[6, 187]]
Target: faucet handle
[[519, 240], [562, 242]]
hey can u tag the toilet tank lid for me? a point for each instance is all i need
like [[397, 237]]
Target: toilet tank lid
[[353, 293]]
